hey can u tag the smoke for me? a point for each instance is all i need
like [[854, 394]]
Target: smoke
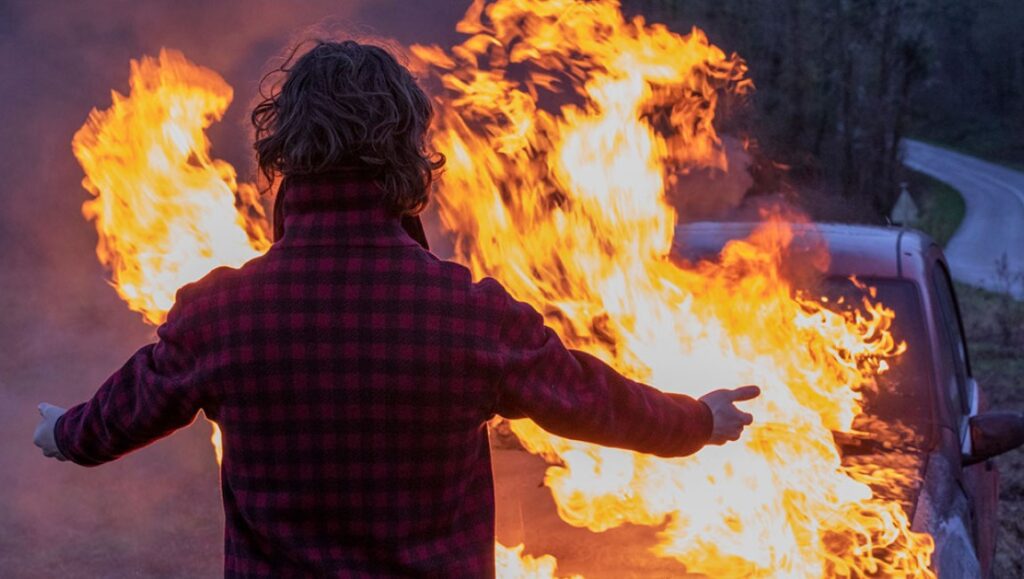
[[62, 328], [713, 194]]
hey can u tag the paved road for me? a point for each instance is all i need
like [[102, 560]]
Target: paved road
[[994, 222]]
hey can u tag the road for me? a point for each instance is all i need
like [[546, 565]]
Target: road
[[994, 222]]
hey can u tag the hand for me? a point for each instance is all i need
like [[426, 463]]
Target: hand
[[728, 420], [44, 432]]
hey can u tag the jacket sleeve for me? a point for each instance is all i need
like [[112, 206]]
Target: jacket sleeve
[[575, 395], [151, 396]]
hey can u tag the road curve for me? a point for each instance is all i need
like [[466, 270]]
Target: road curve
[[994, 221]]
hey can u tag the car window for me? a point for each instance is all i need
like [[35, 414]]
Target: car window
[[947, 372], [900, 405], [955, 344]]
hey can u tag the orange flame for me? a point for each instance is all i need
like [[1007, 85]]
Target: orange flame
[[164, 209], [166, 212], [567, 209], [512, 563], [217, 440]]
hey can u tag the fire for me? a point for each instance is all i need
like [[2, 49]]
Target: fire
[[164, 209], [166, 212], [217, 440], [511, 562], [567, 208]]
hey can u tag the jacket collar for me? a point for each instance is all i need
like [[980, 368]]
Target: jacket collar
[[335, 209]]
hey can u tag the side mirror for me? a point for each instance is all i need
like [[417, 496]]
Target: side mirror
[[994, 433]]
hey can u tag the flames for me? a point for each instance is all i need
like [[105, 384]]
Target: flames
[[166, 212], [511, 562], [567, 208], [563, 124]]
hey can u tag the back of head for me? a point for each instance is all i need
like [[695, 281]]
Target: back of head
[[349, 107]]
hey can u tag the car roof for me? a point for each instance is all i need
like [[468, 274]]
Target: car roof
[[865, 250]]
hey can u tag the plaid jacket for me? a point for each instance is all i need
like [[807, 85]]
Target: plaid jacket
[[352, 373]]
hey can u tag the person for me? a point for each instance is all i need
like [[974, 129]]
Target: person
[[351, 371]]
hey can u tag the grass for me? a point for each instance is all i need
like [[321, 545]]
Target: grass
[[941, 207], [984, 150], [993, 139], [994, 324]]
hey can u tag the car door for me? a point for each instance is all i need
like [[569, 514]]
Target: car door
[[980, 481]]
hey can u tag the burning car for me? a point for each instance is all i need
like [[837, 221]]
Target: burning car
[[926, 423], [855, 461], [928, 417]]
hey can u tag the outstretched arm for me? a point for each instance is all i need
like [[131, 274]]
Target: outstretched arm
[[153, 394], [575, 395]]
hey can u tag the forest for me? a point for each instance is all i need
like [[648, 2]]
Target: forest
[[839, 83]]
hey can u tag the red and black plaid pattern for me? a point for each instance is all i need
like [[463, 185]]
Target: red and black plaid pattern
[[352, 373]]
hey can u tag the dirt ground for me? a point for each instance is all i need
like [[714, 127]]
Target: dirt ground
[[995, 333], [526, 515], [1007, 392], [63, 330], [157, 513]]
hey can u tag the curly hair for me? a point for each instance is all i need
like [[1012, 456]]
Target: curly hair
[[346, 106]]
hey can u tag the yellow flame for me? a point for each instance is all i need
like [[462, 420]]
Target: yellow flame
[[164, 209], [567, 209], [217, 441], [512, 563], [166, 212]]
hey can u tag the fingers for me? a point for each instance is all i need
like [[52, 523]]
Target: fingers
[[720, 439], [717, 440], [54, 454], [730, 426], [49, 410], [728, 420], [744, 393]]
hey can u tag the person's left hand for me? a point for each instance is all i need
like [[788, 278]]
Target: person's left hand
[[44, 432]]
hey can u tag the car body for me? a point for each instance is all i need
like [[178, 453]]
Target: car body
[[954, 490]]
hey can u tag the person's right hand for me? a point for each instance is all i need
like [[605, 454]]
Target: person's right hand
[[729, 421]]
